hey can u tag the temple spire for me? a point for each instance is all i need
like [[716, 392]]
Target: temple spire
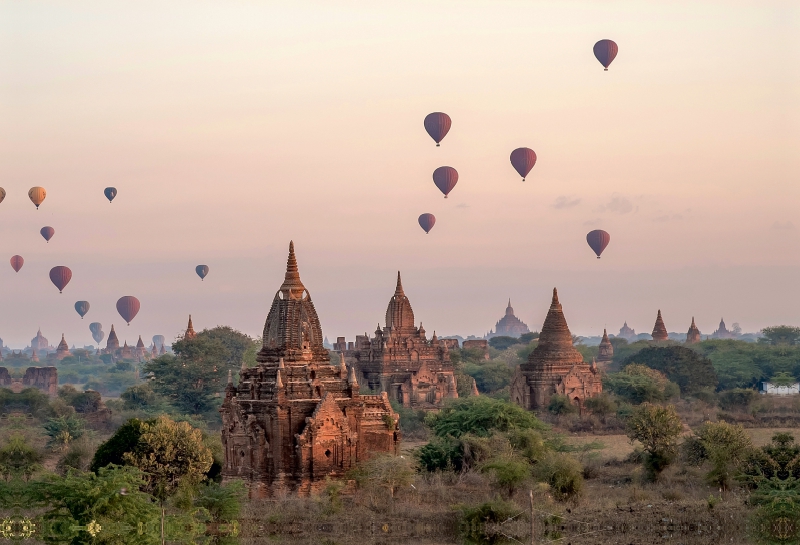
[[352, 380], [555, 302], [398, 291], [190, 333], [292, 286]]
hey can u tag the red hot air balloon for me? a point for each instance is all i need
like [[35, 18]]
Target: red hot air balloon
[[598, 240], [60, 276], [128, 308], [47, 233], [17, 262], [445, 179], [427, 221], [605, 51], [438, 125], [523, 159]]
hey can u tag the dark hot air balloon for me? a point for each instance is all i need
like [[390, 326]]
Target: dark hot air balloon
[[158, 340], [60, 276], [95, 326], [2, 194], [47, 233], [437, 124], [128, 308], [201, 270], [445, 179], [523, 159], [98, 336], [82, 307], [110, 193], [37, 195], [17, 262], [598, 240], [426, 221], [605, 51]]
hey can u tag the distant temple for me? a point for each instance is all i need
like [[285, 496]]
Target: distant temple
[[554, 367], [401, 361], [722, 332], [40, 344], [62, 350], [626, 332], [606, 352], [41, 378], [509, 325], [190, 333], [659, 329], [693, 335], [112, 344], [294, 419]]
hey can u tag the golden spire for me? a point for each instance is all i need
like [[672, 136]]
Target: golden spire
[[292, 286]]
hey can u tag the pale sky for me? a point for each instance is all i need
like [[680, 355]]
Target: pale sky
[[231, 127]]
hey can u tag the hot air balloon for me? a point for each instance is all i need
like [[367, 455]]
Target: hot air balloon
[[158, 340], [98, 336], [598, 240], [110, 193], [17, 262], [95, 326], [82, 307], [437, 124], [37, 195], [128, 307], [2, 194], [201, 270], [427, 221], [523, 159], [47, 233], [445, 179], [60, 276], [605, 51]]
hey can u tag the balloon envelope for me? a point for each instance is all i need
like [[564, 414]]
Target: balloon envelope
[[98, 336], [426, 221], [445, 179], [2, 194], [82, 307], [95, 326], [128, 307], [598, 240], [60, 276], [605, 51], [201, 270], [523, 159], [17, 262], [37, 195], [158, 340], [438, 125], [110, 193], [47, 233]]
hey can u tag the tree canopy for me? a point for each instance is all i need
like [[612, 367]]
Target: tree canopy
[[688, 369], [480, 416], [780, 335]]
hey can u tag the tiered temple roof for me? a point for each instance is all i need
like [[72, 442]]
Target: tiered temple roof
[[693, 335], [659, 329], [509, 325]]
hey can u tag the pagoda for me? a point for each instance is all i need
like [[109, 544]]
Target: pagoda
[[626, 332], [693, 335], [190, 333], [509, 325], [401, 361], [554, 367], [722, 332], [112, 344], [62, 350], [294, 419], [606, 353], [660, 330]]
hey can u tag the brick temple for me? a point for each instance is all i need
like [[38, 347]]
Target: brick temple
[[509, 325], [295, 419], [606, 352], [659, 329], [400, 361], [554, 367]]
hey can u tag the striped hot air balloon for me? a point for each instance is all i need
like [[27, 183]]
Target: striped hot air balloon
[[523, 159], [17, 262], [60, 276], [47, 233], [445, 179], [437, 125], [128, 308], [605, 51], [427, 221], [37, 195], [598, 240]]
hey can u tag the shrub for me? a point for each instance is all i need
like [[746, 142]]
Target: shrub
[[563, 473], [224, 503], [389, 472], [738, 398], [726, 446], [475, 518], [441, 454], [502, 342], [683, 366], [480, 416], [528, 443], [561, 404], [509, 472], [112, 451], [640, 384], [63, 430], [657, 428], [602, 405]]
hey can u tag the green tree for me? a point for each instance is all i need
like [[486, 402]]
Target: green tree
[[223, 503], [191, 378], [481, 416], [63, 430], [561, 404], [235, 343], [509, 472], [18, 459], [563, 473], [737, 399], [639, 384], [657, 428], [527, 338], [490, 376], [389, 472], [780, 335], [601, 405], [124, 440], [501, 342], [726, 446], [687, 368]]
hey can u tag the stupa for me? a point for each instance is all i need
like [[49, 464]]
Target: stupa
[[554, 367], [606, 353], [660, 330], [693, 335], [294, 419]]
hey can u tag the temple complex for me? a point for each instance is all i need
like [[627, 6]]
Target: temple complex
[[295, 419], [554, 367], [606, 353], [659, 329], [509, 325], [627, 333], [722, 332], [401, 361], [693, 335], [40, 344]]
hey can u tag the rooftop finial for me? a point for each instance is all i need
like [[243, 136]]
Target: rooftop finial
[[351, 378], [399, 289], [292, 286], [555, 297]]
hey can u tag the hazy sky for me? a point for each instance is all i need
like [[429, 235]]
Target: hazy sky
[[231, 127]]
